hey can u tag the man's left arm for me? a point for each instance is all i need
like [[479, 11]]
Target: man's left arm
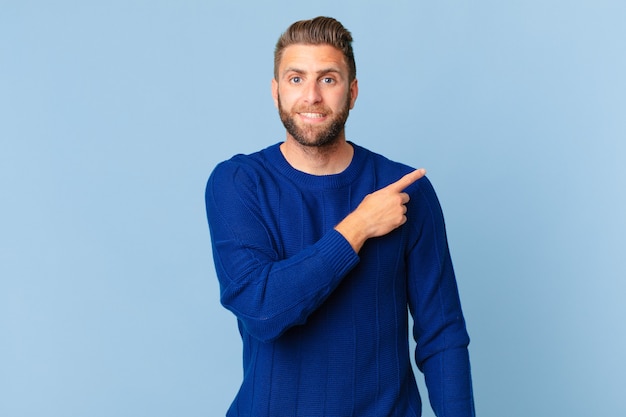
[[439, 326]]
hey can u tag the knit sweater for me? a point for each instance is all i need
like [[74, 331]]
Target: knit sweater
[[324, 329]]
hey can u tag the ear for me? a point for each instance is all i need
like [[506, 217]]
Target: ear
[[354, 92], [275, 91]]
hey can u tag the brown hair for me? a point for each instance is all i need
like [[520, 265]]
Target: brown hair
[[318, 31]]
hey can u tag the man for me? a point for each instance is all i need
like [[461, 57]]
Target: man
[[320, 248]]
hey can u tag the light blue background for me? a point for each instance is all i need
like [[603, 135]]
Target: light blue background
[[113, 114]]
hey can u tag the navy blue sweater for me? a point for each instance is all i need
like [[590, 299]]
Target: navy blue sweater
[[324, 330]]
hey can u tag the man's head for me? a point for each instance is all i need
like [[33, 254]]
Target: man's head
[[314, 85], [317, 31]]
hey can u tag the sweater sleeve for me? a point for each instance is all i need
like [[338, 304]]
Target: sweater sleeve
[[268, 294], [439, 327]]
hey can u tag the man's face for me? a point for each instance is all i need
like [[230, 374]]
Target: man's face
[[313, 93]]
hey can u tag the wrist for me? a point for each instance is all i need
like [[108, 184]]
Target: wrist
[[352, 229]]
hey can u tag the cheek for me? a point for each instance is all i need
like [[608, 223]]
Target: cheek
[[345, 101], [286, 99]]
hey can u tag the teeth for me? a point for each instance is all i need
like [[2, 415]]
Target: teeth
[[313, 115]]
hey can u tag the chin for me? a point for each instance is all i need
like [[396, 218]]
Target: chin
[[317, 142], [325, 138]]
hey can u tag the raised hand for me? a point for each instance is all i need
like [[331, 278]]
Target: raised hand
[[379, 213]]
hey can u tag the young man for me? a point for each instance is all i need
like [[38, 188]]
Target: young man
[[320, 248]]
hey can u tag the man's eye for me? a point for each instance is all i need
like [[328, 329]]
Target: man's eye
[[328, 80], [296, 80]]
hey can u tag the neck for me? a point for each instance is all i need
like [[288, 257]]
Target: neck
[[326, 160]]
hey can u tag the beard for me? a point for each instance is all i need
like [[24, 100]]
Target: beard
[[320, 136]]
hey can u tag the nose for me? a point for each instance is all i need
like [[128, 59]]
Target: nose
[[312, 94]]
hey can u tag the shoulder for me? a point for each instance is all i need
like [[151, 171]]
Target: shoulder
[[388, 171], [241, 169]]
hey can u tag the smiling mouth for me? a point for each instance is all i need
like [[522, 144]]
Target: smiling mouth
[[313, 115]]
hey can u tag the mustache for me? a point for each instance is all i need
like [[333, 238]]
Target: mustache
[[316, 108], [313, 109]]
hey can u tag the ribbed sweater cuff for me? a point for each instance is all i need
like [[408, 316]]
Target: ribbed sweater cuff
[[339, 253]]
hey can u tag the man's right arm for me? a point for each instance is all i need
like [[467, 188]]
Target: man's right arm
[[268, 293]]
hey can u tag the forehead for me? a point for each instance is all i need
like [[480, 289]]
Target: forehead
[[312, 58]]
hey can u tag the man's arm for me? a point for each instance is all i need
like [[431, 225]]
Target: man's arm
[[439, 326], [268, 293]]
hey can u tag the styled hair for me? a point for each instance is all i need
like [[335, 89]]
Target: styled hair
[[318, 31]]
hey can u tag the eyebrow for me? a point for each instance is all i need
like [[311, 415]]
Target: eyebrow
[[323, 71]]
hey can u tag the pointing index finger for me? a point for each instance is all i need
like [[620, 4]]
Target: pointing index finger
[[407, 180]]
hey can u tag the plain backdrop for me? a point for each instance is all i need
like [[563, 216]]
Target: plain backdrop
[[114, 113]]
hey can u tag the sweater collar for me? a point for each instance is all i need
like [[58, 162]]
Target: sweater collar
[[277, 162]]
